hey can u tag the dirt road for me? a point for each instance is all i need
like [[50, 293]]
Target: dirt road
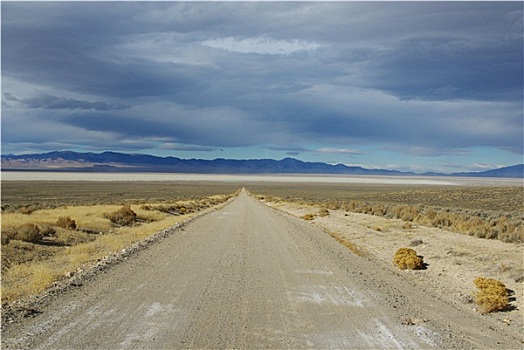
[[248, 276]]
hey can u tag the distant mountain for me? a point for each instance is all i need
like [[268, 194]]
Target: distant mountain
[[122, 162], [515, 171]]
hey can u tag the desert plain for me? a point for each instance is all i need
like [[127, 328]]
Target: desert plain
[[256, 262]]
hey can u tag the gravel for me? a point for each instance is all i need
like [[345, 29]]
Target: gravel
[[246, 276]]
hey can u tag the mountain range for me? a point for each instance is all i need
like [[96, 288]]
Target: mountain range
[[122, 162]]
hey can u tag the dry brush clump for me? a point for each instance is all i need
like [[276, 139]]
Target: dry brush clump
[[323, 212], [407, 258], [308, 217], [492, 295], [27, 232], [66, 222], [125, 216], [404, 212]]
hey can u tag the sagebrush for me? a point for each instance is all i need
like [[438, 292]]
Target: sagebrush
[[125, 216], [27, 232], [492, 295], [66, 222], [507, 227], [407, 258], [308, 217]]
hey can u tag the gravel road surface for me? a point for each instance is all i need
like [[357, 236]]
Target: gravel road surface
[[249, 276]]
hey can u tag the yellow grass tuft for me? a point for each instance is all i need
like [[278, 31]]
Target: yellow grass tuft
[[308, 217], [407, 258], [347, 243], [323, 212], [27, 279], [492, 295]]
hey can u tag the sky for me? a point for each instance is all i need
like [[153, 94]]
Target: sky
[[412, 86]]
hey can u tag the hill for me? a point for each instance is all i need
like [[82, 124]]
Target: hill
[[122, 162], [514, 171]]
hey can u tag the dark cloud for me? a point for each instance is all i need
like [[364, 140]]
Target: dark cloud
[[448, 68], [45, 101], [424, 79]]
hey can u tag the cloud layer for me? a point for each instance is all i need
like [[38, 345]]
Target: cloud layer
[[341, 80]]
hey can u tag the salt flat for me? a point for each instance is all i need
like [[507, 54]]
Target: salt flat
[[286, 178]]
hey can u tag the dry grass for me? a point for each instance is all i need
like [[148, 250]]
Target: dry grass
[[29, 268], [347, 243], [323, 212], [86, 217], [29, 278], [492, 295], [407, 258], [28, 196], [124, 216], [308, 217], [66, 222], [505, 226], [27, 232]]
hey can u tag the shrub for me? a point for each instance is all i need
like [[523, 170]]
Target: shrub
[[48, 230], [69, 238], [323, 212], [308, 217], [492, 295], [517, 235], [5, 238], [407, 258], [407, 226], [406, 212], [26, 210], [124, 216], [378, 210], [28, 233], [66, 222]]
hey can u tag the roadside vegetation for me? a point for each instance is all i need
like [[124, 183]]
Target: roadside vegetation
[[479, 212], [27, 196], [407, 259], [42, 246], [492, 295], [482, 213], [347, 243]]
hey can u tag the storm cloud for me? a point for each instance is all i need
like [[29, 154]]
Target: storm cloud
[[435, 84]]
